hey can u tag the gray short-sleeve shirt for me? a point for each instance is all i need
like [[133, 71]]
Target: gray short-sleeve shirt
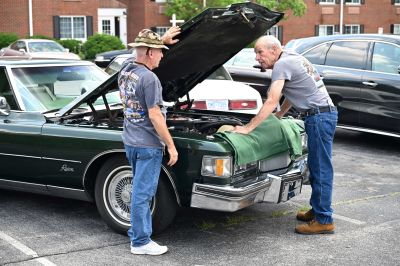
[[303, 87], [140, 89]]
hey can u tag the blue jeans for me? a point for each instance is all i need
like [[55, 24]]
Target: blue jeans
[[320, 129], [146, 166]]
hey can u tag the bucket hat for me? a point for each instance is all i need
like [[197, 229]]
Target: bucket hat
[[148, 38]]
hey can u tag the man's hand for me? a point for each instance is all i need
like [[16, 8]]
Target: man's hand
[[168, 36], [241, 129], [173, 156]]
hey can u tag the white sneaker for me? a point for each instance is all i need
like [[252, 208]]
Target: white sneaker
[[151, 248]]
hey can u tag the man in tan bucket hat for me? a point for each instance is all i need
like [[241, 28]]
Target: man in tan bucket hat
[[145, 133]]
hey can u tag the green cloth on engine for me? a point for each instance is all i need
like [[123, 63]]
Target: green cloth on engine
[[293, 136], [271, 137]]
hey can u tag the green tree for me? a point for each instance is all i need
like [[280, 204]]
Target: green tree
[[185, 9]]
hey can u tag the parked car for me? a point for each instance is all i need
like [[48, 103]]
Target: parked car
[[104, 59], [217, 92], [243, 67], [362, 75], [77, 152], [37, 48]]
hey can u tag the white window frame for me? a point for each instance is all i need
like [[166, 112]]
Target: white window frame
[[110, 30], [328, 2], [72, 28], [274, 31], [354, 3], [351, 31], [325, 27], [161, 29], [396, 29], [397, 2]]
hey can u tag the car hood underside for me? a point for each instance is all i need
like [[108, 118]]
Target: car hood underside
[[206, 42]]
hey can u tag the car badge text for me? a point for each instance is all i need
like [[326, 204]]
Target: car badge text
[[66, 168]]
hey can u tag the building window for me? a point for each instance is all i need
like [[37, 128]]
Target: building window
[[396, 2], [72, 28], [106, 26], [161, 30], [396, 29], [351, 29], [326, 1], [273, 31], [355, 2], [325, 30]]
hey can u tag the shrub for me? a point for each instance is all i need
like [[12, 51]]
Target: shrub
[[74, 46], [7, 38], [99, 43]]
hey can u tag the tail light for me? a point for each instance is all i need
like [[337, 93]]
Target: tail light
[[242, 104], [201, 105]]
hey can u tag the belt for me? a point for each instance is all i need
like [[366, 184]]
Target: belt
[[317, 110]]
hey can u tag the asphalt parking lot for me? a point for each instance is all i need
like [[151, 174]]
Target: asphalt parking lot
[[40, 230]]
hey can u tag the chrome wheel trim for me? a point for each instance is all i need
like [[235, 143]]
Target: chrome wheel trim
[[117, 193]]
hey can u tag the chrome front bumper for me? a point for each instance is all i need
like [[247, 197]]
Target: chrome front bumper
[[267, 188]]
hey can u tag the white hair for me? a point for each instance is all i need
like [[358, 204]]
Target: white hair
[[268, 41]]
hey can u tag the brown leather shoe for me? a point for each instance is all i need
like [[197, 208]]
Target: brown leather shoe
[[315, 227], [305, 216]]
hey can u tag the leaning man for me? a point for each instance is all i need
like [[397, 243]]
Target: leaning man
[[145, 134], [296, 78]]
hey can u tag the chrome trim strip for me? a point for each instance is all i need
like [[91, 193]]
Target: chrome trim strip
[[171, 180], [63, 160], [95, 158], [70, 193], [370, 131], [40, 158], [23, 186], [19, 155]]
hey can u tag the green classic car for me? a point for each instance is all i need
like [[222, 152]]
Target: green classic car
[[61, 123]]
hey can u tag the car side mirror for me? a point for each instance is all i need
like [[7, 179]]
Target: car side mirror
[[66, 50], [4, 107], [260, 68], [22, 50]]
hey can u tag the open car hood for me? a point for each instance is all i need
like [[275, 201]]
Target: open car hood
[[206, 42]]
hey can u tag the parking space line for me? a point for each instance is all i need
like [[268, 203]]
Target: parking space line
[[347, 219], [24, 249]]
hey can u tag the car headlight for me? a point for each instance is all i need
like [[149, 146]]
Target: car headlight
[[99, 58], [216, 166]]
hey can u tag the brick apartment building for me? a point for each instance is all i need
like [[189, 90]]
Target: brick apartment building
[[79, 19]]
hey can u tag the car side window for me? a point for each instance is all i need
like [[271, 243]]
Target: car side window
[[14, 46], [317, 54], [347, 54], [5, 90], [386, 58]]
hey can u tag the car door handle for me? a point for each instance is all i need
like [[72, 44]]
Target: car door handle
[[370, 84]]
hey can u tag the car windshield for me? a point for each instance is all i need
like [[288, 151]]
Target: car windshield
[[116, 64], [245, 58], [52, 87], [45, 47]]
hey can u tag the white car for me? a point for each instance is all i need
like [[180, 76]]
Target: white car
[[218, 92], [37, 48]]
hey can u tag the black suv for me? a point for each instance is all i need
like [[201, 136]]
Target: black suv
[[362, 75]]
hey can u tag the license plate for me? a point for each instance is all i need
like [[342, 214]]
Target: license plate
[[290, 189], [218, 105]]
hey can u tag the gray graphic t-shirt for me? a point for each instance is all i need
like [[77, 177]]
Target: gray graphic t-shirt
[[140, 89], [304, 87]]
